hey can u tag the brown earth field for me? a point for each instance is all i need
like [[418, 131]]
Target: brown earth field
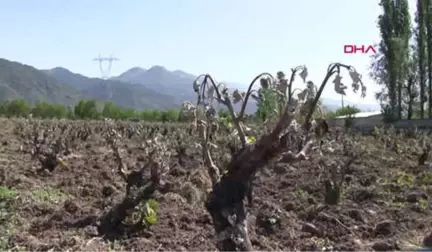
[[385, 204]]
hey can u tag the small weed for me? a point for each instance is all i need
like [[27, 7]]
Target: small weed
[[323, 244], [149, 212], [51, 195], [405, 180], [383, 181], [145, 213], [301, 194], [344, 194], [426, 178], [423, 204], [397, 204]]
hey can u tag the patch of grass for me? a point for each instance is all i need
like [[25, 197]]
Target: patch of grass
[[49, 195], [7, 194], [8, 199], [7, 202]]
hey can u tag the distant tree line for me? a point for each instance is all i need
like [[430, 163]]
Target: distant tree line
[[85, 109], [90, 109]]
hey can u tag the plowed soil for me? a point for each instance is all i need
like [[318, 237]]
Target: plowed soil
[[386, 203]]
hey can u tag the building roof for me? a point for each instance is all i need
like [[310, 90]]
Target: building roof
[[362, 114]]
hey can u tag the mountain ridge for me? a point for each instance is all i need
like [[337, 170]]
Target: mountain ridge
[[144, 77], [20, 81], [137, 88], [124, 94]]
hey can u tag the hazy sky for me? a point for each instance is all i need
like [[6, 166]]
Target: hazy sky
[[233, 40]]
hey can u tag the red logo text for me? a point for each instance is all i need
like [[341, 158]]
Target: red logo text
[[363, 49]]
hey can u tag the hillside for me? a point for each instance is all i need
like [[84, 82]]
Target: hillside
[[60, 86], [158, 78], [155, 88], [179, 84], [123, 94], [18, 81], [175, 83]]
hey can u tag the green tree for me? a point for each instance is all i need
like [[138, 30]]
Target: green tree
[[171, 115], [146, 115], [128, 114], [156, 115], [59, 111], [18, 108], [39, 110], [390, 65], [403, 33], [110, 110], [45, 110], [3, 109], [428, 22], [420, 35], [86, 109], [70, 113]]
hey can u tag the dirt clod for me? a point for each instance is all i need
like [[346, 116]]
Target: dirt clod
[[427, 241], [384, 228], [382, 245], [311, 228], [414, 197]]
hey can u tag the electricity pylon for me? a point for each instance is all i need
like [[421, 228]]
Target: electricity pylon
[[105, 72]]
